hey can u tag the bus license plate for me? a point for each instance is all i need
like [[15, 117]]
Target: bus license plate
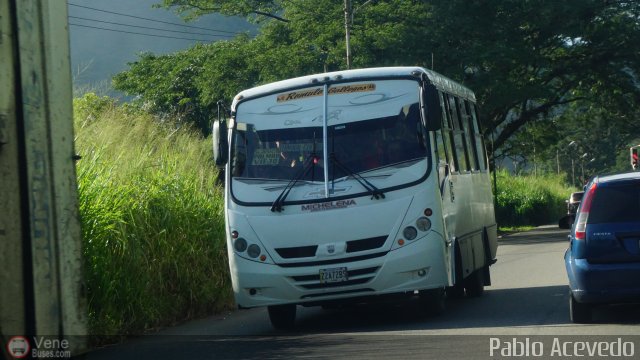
[[333, 275]]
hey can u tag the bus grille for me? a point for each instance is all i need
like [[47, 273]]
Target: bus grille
[[297, 252], [352, 246], [333, 261]]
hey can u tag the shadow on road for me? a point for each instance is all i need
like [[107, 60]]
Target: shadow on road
[[497, 308], [330, 347], [536, 306], [543, 234], [628, 314]]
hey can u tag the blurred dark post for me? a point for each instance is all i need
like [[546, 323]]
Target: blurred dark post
[[40, 239]]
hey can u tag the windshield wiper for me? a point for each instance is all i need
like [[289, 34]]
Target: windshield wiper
[[371, 189], [312, 160], [308, 166]]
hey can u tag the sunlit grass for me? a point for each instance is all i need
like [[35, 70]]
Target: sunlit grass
[[530, 200], [152, 218], [504, 230]]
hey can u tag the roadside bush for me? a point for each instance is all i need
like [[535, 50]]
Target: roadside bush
[[90, 106], [152, 221], [530, 200]]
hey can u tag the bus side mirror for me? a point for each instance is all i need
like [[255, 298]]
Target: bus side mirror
[[431, 110], [220, 143]]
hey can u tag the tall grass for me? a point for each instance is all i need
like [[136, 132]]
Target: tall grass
[[530, 200], [152, 219]]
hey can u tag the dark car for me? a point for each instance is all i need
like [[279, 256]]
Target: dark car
[[603, 259], [572, 206]]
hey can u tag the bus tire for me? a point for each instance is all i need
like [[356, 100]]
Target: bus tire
[[433, 301], [474, 283], [282, 317]]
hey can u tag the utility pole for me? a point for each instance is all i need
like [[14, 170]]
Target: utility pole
[[347, 30], [573, 171]]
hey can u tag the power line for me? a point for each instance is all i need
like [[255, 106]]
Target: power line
[[136, 33], [147, 27], [148, 19]]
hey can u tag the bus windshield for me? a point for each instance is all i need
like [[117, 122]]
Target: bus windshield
[[365, 132], [360, 146]]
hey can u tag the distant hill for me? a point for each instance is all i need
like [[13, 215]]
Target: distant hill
[[105, 35]]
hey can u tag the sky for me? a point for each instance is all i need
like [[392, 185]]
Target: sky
[[106, 35]]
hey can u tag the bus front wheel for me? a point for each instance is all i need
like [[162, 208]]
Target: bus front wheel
[[282, 317]]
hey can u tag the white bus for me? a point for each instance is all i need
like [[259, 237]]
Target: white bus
[[353, 185]]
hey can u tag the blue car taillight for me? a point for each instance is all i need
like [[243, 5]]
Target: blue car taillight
[[581, 222]]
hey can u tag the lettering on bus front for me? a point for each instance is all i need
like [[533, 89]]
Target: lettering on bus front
[[329, 205], [345, 89]]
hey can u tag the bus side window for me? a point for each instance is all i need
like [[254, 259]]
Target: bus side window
[[465, 119], [441, 152], [447, 135], [458, 135], [479, 143]]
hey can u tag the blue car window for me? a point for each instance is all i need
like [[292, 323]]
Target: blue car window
[[616, 204]]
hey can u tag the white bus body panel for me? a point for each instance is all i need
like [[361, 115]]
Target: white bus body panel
[[396, 271]]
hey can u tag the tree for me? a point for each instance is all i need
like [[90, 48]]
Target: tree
[[527, 60], [188, 84]]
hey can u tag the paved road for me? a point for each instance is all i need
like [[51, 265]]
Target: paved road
[[528, 300]]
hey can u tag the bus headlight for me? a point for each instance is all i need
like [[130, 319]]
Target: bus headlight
[[240, 244], [423, 224], [253, 251], [410, 233]]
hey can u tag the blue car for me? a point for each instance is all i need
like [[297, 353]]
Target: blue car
[[603, 259]]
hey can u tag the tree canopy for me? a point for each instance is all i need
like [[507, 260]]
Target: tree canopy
[[535, 65]]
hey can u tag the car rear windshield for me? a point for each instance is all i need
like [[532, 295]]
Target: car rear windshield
[[616, 203]]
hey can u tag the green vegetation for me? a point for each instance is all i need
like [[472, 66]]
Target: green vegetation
[[545, 72], [153, 226], [502, 230], [530, 200]]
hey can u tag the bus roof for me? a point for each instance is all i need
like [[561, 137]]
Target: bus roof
[[441, 82]]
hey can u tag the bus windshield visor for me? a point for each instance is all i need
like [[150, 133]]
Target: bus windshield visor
[[370, 126]]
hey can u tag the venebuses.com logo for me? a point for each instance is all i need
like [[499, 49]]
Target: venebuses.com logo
[[20, 347]]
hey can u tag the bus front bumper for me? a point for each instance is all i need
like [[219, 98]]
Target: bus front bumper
[[418, 265]]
